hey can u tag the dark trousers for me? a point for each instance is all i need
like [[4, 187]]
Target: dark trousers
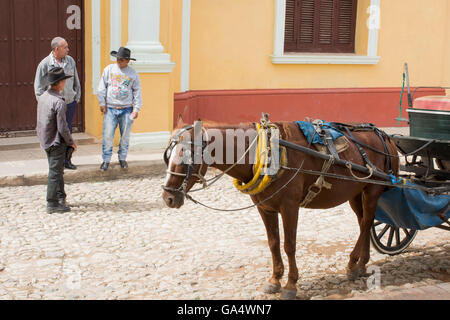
[[70, 114], [55, 185]]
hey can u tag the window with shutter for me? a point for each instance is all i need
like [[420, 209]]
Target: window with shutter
[[320, 26]]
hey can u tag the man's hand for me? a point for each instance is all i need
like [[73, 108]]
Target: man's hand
[[135, 115], [74, 146], [103, 109]]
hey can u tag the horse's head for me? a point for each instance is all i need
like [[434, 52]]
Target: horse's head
[[185, 165]]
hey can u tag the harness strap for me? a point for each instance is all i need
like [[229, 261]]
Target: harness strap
[[319, 184], [361, 150], [330, 143], [387, 159]]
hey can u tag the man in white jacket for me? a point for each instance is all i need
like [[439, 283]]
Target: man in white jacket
[[120, 98]]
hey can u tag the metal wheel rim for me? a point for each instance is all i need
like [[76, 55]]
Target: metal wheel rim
[[390, 240]]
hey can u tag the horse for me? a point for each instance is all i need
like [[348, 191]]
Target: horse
[[361, 195]]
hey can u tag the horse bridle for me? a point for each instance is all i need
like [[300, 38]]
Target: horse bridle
[[188, 167]]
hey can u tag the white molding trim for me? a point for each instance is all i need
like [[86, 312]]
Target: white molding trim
[[149, 140], [116, 26], [143, 38], [96, 55], [279, 57], [279, 25], [185, 45]]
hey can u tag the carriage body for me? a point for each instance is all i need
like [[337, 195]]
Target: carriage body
[[426, 154], [430, 118]]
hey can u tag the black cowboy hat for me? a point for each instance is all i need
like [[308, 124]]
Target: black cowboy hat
[[123, 53], [57, 74]]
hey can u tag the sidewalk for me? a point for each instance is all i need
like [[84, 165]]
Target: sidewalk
[[437, 292], [23, 162]]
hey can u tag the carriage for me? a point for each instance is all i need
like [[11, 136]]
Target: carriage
[[426, 162]]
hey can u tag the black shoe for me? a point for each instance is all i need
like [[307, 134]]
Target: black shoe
[[123, 164], [70, 165], [60, 208], [104, 166]]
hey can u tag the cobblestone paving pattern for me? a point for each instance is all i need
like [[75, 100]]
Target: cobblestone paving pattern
[[120, 241]]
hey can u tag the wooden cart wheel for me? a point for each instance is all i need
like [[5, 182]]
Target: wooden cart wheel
[[390, 240]]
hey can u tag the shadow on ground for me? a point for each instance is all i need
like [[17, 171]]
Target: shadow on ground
[[429, 263], [122, 206]]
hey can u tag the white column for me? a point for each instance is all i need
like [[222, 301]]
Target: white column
[[143, 37], [185, 45], [96, 55], [116, 26]]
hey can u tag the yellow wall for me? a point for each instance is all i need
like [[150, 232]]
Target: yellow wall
[[232, 43]]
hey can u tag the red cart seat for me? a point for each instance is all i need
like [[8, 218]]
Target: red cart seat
[[433, 103]]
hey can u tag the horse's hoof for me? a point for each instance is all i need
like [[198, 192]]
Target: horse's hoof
[[271, 288], [354, 274], [288, 294]]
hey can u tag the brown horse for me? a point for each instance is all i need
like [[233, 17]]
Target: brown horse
[[363, 197]]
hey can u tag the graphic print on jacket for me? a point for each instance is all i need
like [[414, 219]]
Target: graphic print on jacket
[[120, 86]]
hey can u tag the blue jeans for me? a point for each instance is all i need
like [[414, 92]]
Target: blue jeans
[[111, 119]]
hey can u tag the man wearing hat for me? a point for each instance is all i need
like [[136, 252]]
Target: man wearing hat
[[120, 98], [59, 57], [55, 137]]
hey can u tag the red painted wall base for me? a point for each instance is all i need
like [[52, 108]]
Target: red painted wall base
[[375, 105]]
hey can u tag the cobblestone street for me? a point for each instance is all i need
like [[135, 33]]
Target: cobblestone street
[[120, 241]]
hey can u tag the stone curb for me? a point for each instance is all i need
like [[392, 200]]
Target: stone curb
[[91, 173], [34, 143]]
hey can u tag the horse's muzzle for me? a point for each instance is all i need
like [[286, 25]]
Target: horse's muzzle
[[173, 199]]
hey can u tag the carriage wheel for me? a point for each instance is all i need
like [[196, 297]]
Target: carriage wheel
[[390, 240]]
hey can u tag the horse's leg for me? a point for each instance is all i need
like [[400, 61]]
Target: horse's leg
[[352, 267], [364, 207], [289, 214], [369, 202], [270, 220]]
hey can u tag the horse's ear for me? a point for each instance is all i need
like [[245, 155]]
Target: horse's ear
[[180, 122]]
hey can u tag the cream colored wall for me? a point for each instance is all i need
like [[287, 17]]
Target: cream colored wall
[[446, 55], [231, 47], [361, 33]]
